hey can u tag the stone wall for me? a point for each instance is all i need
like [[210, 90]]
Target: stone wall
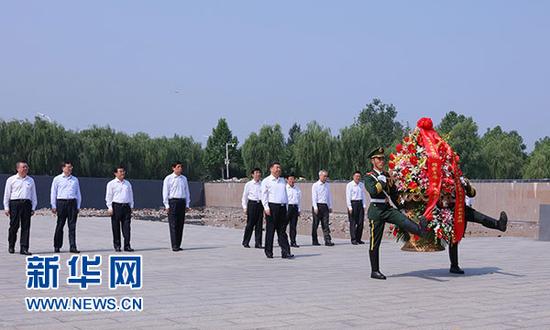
[[521, 200]]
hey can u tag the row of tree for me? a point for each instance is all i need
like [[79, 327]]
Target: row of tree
[[496, 154]]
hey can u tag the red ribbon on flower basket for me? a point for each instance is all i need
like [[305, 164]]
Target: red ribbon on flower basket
[[436, 147]]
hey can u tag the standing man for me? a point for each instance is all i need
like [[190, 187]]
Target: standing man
[[252, 206], [65, 200], [321, 201], [275, 201], [356, 200], [176, 199], [294, 200], [120, 202], [19, 204], [383, 195]]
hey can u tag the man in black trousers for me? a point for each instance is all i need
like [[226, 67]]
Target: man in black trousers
[[294, 195], [356, 201], [19, 204], [65, 200], [252, 207], [176, 199], [321, 205], [119, 198], [275, 200]]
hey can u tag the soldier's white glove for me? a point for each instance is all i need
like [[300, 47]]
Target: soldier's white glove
[[463, 180], [382, 178]]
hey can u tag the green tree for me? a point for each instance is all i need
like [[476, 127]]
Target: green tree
[[313, 150], [462, 134], [259, 150], [502, 154], [354, 144], [537, 166], [380, 118], [214, 153], [289, 162]]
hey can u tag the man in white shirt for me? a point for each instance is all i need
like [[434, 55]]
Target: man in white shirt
[[356, 201], [176, 200], [254, 210], [294, 200], [321, 201], [65, 200], [19, 204], [275, 200], [119, 198]]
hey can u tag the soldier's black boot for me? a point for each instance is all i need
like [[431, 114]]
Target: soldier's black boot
[[491, 223], [453, 256], [423, 224], [414, 228], [374, 265], [503, 221]]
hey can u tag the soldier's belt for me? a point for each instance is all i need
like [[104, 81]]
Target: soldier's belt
[[378, 200]]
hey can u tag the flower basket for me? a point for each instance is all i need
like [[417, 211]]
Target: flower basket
[[427, 176]]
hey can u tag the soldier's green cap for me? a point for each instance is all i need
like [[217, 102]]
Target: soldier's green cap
[[378, 152]]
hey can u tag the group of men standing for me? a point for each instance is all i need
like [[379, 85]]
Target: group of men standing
[[20, 202], [282, 208]]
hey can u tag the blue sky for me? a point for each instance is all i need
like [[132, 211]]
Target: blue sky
[[166, 67]]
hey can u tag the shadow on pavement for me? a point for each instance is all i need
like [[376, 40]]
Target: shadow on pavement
[[438, 274]]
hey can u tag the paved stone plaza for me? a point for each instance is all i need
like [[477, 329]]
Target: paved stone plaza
[[215, 283]]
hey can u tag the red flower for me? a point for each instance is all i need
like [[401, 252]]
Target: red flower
[[412, 149], [405, 171], [416, 237], [414, 160], [399, 147], [391, 165], [413, 185], [395, 232], [407, 139], [392, 156]]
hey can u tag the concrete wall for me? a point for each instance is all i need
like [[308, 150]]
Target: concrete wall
[[521, 200]]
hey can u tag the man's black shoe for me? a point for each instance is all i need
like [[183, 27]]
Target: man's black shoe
[[269, 256], [26, 253], [117, 249], [11, 250], [377, 276], [56, 250], [295, 245], [329, 243], [361, 242], [246, 246], [287, 256], [354, 243], [74, 250], [456, 270], [316, 244], [129, 249], [258, 246]]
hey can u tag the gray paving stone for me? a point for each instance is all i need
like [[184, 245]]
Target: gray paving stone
[[215, 283]]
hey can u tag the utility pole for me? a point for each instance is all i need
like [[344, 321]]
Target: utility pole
[[227, 145]]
